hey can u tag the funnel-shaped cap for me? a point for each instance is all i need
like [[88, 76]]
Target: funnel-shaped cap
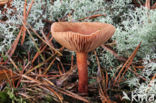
[[81, 36]]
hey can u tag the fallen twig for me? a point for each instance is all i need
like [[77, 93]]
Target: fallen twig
[[120, 58], [126, 65], [92, 17]]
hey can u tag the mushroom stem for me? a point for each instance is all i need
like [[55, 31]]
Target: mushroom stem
[[83, 72]]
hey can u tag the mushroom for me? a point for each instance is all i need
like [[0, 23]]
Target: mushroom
[[82, 37]]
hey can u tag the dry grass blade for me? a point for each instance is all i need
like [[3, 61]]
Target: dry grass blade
[[38, 53], [102, 82], [113, 52], [48, 42], [106, 79], [44, 40], [53, 91], [44, 86], [61, 64], [39, 65], [42, 49], [21, 72], [42, 57], [52, 62], [25, 15], [92, 17], [116, 72], [63, 69], [104, 96], [32, 38], [25, 95], [126, 65], [66, 76], [71, 94], [8, 76], [32, 1], [130, 62], [4, 74], [99, 74], [137, 74], [13, 63], [153, 78], [58, 66], [72, 59], [137, 2], [14, 45], [99, 79], [24, 20], [48, 82], [139, 67], [154, 6]]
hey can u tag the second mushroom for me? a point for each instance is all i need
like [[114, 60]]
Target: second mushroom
[[82, 37]]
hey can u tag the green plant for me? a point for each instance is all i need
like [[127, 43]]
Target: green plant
[[4, 97], [9, 96]]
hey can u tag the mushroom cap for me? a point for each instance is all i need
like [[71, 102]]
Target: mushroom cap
[[81, 36]]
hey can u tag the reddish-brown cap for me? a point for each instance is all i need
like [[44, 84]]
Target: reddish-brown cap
[[81, 36]]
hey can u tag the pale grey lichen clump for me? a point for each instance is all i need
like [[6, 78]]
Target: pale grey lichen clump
[[36, 14], [143, 92], [78, 9], [147, 73], [10, 28], [132, 27], [139, 26]]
